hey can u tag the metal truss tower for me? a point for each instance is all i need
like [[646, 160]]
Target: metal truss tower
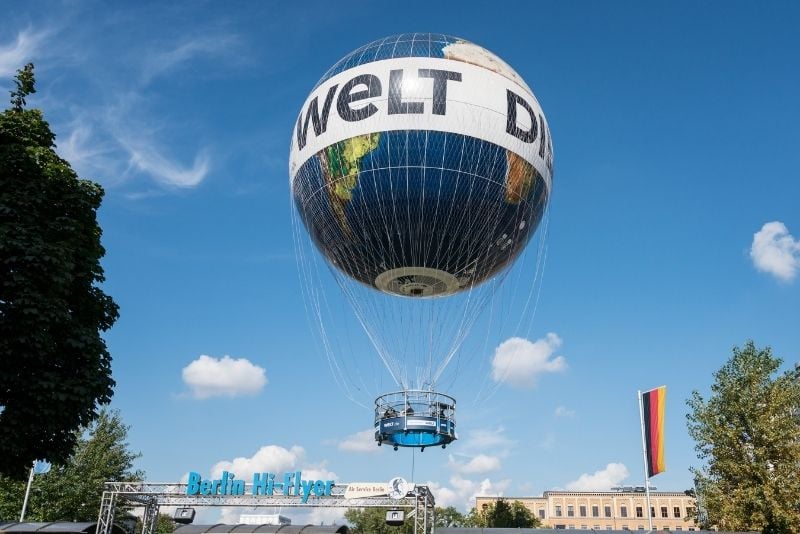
[[419, 502]]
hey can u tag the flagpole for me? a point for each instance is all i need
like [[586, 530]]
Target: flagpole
[[644, 456], [27, 492]]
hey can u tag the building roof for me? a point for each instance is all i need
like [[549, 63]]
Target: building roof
[[61, 527], [550, 531], [282, 529]]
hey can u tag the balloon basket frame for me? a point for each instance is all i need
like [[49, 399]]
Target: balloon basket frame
[[415, 418]]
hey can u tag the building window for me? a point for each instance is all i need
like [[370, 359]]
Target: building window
[[541, 513], [582, 510], [664, 512], [639, 511], [584, 527], [623, 511], [607, 511], [641, 527], [652, 511], [558, 510], [678, 528], [595, 511], [676, 511], [625, 527], [570, 511], [689, 511]]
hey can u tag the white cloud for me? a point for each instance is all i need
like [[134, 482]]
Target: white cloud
[[603, 480], [147, 158], [92, 156], [277, 459], [14, 55], [481, 463], [461, 492], [518, 362], [775, 251], [212, 377], [563, 411], [363, 441], [157, 63], [548, 441], [479, 440], [274, 459]]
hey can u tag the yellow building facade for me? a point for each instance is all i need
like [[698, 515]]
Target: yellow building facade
[[613, 510]]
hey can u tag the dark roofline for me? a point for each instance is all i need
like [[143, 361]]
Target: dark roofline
[[264, 528], [62, 527]]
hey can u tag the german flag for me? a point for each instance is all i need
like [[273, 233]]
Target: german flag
[[653, 402]]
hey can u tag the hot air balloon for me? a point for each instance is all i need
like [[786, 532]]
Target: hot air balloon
[[420, 168]]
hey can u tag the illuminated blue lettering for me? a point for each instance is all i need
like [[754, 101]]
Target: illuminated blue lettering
[[193, 487]]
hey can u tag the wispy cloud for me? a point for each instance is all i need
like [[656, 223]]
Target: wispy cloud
[[123, 136], [563, 411], [775, 251], [16, 54], [479, 464], [211, 377], [165, 61], [147, 158], [461, 492], [480, 440], [363, 441], [90, 152], [519, 362], [548, 441], [603, 480]]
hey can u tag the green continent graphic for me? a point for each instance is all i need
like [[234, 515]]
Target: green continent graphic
[[341, 163]]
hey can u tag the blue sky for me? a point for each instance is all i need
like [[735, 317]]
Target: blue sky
[[673, 234]]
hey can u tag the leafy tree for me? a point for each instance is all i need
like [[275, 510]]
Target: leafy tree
[[476, 518], [373, 521], [164, 524], [54, 366], [72, 491], [515, 515], [748, 434], [448, 517], [499, 515]]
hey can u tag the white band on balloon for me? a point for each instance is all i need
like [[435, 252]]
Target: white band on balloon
[[478, 105]]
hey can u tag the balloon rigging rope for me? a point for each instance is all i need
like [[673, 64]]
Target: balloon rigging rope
[[432, 334]]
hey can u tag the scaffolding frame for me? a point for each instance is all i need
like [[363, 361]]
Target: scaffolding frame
[[152, 495]]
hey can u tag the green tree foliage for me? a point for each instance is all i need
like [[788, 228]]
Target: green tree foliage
[[373, 520], [54, 365], [476, 518], [448, 517], [504, 515], [748, 435], [72, 491], [165, 524]]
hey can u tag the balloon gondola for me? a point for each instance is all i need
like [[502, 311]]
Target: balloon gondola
[[415, 418]]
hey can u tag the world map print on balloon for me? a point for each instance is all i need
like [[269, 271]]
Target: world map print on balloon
[[421, 165]]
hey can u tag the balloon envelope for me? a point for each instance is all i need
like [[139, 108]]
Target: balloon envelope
[[421, 165]]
